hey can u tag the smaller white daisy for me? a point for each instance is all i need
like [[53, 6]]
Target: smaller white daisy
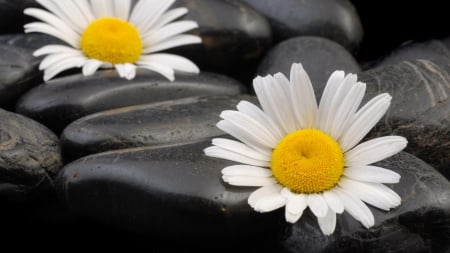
[[108, 33], [303, 155]]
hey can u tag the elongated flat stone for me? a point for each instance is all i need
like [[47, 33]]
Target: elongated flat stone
[[174, 121], [173, 192], [63, 100]]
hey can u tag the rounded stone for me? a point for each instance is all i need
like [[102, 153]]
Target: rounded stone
[[336, 20], [320, 57]]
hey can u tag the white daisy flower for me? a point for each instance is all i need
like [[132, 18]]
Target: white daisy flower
[[303, 155], [108, 33]]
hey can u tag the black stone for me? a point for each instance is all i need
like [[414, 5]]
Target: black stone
[[320, 57], [174, 192], [336, 20], [420, 108], [419, 224], [174, 121], [29, 157], [433, 50], [18, 67], [12, 18], [63, 100], [234, 37]]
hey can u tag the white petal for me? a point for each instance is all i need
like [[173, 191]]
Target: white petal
[[127, 70], [246, 170], [55, 49], [54, 21], [374, 150], [356, 208], [60, 10], [303, 97], [333, 83], [347, 109], [146, 13], [175, 41], [249, 180], [377, 195], [317, 204], [251, 126], [337, 100], [85, 7], [73, 15], [240, 148], [327, 223], [169, 16], [174, 61], [257, 114], [91, 66], [295, 205], [53, 60], [365, 119], [65, 64], [372, 174], [242, 134], [162, 69], [102, 8], [122, 9], [50, 30], [244, 158], [333, 201], [168, 31], [266, 198]]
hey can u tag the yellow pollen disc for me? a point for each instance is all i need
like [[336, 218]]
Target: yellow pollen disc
[[111, 40], [307, 161]]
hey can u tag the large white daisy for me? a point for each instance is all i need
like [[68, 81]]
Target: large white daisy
[[108, 33], [303, 155]]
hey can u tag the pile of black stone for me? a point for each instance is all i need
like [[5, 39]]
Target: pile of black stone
[[115, 163]]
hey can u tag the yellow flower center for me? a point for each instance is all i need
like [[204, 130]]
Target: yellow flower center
[[307, 161], [111, 40]]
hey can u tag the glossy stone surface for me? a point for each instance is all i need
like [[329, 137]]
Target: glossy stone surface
[[320, 57], [336, 20], [420, 224], [174, 192], [419, 109], [174, 121], [30, 156], [63, 100], [234, 36]]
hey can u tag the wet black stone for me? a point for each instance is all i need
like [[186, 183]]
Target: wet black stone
[[173, 192], [63, 100], [419, 224], [335, 20], [420, 108], [12, 18], [18, 67], [434, 50], [320, 57], [29, 157], [174, 121], [234, 37]]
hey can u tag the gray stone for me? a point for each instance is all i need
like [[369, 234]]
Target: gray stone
[[174, 121], [29, 157], [419, 224], [174, 192], [63, 100], [336, 20], [320, 57], [420, 108]]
